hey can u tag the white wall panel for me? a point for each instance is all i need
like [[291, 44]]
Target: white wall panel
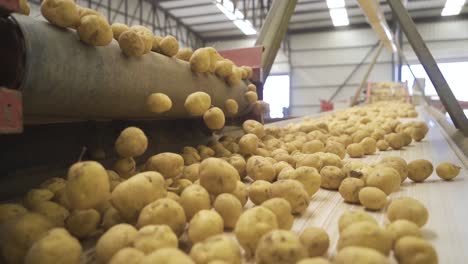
[[332, 39]]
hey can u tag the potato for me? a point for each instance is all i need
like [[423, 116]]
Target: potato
[[313, 146], [361, 255], [309, 160], [401, 228], [116, 238], [87, 185], [223, 68], [447, 171], [163, 211], [205, 152], [132, 195], [169, 46], [349, 189], [330, 159], [385, 178], [419, 170], [24, 7], [167, 256], [54, 184], [154, 237], [83, 223], [184, 54], [229, 207], [54, 212], [280, 246], [252, 225], [55, 246], [158, 103], [190, 156], [415, 250], [247, 72], [315, 240], [214, 57], [331, 177], [62, 13], [146, 36], [280, 165], [131, 43], [317, 260], [259, 168], [118, 29], [218, 176], [200, 60], [251, 87], [155, 46], [248, 144], [282, 209], [197, 103], [409, 209], [355, 150], [293, 191], [231, 107], [241, 193], [336, 148], [61, 198], [253, 127], [125, 167], [168, 164], [95, 30], [259, 191], [235, 78], [369, 145], [36, 196], [216, 248], [398, 164], [132, 142], [204, 224], [110, 218], [359, 135], [194, 199], [83, 11], [354, 216], [10, 211], [372, 198], [19, 235], [191, 172], [127, 255], [309, 177], [365, 234], [214, 118], [395, 140], [251, 97], [238, 162]]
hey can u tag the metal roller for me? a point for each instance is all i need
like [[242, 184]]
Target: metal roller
[[61, 78]]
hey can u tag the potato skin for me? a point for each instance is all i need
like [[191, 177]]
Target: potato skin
[[385, 178], [197, 103], [254, 127], [419, 170], [145, 35], [184, 54], [372, 198], [409, 209], [353, 216], [315, 240], [331, 177], [361, 255], [259, 168], [293, 191], [95, 30], [55, 246], [251, 97], [447, 171], [125, 167], [132, 195], [204, 224], [169, 164], [36, 196], [241, 193], [118, 29], [154, 237], [415, 250], [131, 44], [52, 211], [163, 211], [87, 185], [200, 60], [214, 118], [229, 207], [127, 255], [62, 13], [349, 189], [248, 144], [282, 209], [223, 68], [158, 103], [218, 176], [9, 211], [402, 227], [231, 106], [20, 235], [355, 150], [167, 256], [132, 142], [252, 225], [82, 223], [216, 248], [169, 46], [281, 247], [116, 238], [366, 234], [194, 199]]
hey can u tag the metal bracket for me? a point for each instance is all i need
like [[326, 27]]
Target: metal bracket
[[11, 111]]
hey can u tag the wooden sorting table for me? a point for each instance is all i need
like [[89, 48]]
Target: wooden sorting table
[[446, 200]]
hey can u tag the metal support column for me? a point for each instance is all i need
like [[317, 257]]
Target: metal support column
[[366, 75], [427, 60], [273, 30]]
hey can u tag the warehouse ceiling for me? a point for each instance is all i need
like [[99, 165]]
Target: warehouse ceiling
[[208, 20]]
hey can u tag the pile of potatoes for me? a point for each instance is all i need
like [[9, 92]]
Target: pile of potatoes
[[176, 207]]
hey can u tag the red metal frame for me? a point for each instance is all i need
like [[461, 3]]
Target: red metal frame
[[9, 6], [247, 57]]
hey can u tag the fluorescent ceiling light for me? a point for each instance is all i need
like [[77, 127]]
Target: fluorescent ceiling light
[[339, 17], [452, 7], [335, 3], [236, 16]]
